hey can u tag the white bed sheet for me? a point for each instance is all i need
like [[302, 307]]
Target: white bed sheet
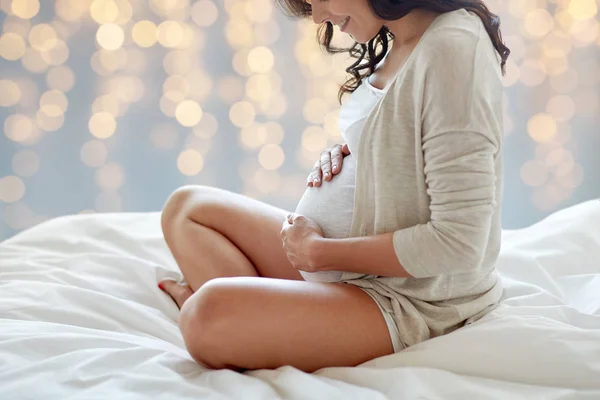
[[81, 318]]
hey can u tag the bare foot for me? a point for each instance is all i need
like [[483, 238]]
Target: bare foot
[[178, 292]]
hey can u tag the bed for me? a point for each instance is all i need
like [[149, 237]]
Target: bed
[[81, 317]]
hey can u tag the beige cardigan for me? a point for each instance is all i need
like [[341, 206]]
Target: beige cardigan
[[429, 169]]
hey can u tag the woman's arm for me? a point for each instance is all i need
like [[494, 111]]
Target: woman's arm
[[366, 255]]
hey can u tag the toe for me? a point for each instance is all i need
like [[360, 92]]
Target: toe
[[180, 293]]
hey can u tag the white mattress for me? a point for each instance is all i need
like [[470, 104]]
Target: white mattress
[[81, 317]]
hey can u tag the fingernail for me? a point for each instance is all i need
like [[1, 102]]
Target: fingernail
[[160, 286], [316, 181], [335, 167], [327, 175]]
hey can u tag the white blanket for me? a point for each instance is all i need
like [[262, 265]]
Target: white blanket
[[81, 317]]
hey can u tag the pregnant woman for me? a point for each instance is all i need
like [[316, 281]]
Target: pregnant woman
[[393, 244]]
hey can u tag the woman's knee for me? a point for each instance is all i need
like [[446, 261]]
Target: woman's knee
[[180, 204], [204, 320]]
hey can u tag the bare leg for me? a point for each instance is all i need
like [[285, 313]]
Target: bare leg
[[214, 233]]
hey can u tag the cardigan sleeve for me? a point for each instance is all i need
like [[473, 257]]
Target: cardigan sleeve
[[459, 156]]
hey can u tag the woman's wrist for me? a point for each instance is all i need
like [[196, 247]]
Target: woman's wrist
[[320, 253]]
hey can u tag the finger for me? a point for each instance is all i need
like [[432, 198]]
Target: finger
[[336, 158], [316, 175], [326, 164], [313, 173], [345, 149]]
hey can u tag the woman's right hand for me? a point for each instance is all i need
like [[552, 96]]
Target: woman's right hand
[[328, 165]]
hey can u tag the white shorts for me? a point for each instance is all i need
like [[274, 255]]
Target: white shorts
[[391, 324]]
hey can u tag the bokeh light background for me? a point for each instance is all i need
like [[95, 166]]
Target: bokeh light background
[[110, 105]]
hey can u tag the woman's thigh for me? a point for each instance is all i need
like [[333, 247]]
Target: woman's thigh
[[253, 323], [252, 226]]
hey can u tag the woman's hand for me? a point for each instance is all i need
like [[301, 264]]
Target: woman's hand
[[299, 235], [328, 165]]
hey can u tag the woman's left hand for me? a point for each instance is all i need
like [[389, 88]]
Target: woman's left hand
[[299, 235]]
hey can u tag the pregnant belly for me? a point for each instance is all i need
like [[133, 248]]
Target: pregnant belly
[[331, 205]]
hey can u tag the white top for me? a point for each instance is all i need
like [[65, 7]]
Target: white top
[[331, 206]]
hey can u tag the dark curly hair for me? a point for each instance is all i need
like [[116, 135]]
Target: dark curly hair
[[391, 10]]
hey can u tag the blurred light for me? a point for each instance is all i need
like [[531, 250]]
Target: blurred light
[[164, 137], [25, 163], [259, 88], [253, 136], [582, 9], [136, 61], [207, 127], [104, 11], [128, 89], [231, 89], [12, 46], [587, 103], [204, 13], [554, 156], [275, 106], [554, 65], [108, 103], [25, 9], [572, 178], [542, 128], [177, 83], [19, 216], [260, 59], [565, 82], [102, 125], [589, 72], [330, 124], [538, 23], [33, 62], [200, 84], [15, 25], [584, 33], [188, 113], [534, 173], [556, 44], [275, 132], [144, 33], [242, 114], [18, 127], [54, 100], [93, 153], [42, 37], [532, 72], [267, 33], [10, 93], [561, 107], [110, 177], [177, 63], [314, 110], [266, 181], [190, 162], [57, 55], [49, 118], [72, 10], [259, 11], [314, 138], [109, 201], [239, 33], [547, 198], [12, 189], [169, 102], [170, 34], [60, 78], [271, 156], [240, 63], [110, 36]]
